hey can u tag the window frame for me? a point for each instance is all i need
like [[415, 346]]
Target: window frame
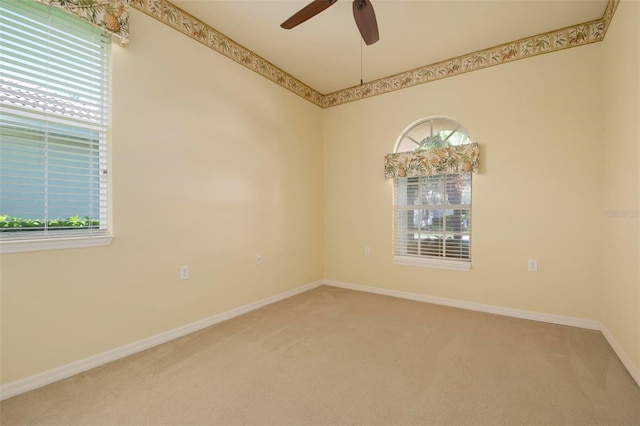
[[86, 235], [435, 125]]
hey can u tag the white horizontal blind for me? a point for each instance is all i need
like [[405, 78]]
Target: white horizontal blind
[[54, 104], [432, 217]]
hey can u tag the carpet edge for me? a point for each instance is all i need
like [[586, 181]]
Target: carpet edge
[[498, 310], [55, 374], [473, 306], [624, 358]]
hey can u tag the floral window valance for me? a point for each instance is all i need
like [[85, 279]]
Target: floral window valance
[[110, 15], [437, 161]]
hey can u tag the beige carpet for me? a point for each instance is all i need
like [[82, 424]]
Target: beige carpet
[[338, 357]]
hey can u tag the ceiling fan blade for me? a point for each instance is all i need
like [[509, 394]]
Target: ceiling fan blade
[[309, 11], [366, 21]]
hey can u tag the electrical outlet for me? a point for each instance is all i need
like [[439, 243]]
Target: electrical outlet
[[258, 259], [367, 251], [532, 265], [184, 272]]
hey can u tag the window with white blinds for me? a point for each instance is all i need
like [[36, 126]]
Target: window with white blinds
[[54, 115], [432, 214]]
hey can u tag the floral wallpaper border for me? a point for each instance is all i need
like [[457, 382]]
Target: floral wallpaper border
[[191, 26], [553, 41], [110, 15], [577, 35]]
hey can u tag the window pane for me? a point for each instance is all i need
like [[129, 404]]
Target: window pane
[[457, 188], [433, 220], [432, 246], [457, 247], [54, 113], [412, 191], [433, 191]]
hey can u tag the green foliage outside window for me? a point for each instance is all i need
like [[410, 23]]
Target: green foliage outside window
[[11, 223]]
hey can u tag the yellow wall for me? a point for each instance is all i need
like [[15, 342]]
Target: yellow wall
[[211, 165], [538, 194], [621, 250]]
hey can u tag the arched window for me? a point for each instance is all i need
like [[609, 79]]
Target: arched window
[[433, 132], [432, 163]]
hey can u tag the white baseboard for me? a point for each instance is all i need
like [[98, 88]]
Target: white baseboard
[[624, 358], [18, 387], [510, 312], [472, 306], [42, 379]]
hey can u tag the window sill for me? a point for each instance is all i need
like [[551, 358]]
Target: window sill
[[40, 244], [452, 265]]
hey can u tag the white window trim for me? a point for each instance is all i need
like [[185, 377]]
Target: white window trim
[[430, 262], [40, 244]]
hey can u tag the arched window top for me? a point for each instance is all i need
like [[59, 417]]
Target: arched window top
[[432, 146], [432, 132]]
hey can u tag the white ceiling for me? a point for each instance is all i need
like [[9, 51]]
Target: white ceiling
[[324, 52]]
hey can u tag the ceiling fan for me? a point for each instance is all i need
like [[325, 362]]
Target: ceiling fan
[[363, 14]]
